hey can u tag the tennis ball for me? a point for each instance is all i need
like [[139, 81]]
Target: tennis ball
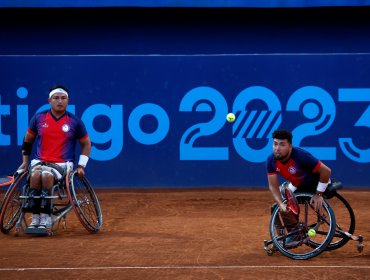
[[311, 232], [230, 117]]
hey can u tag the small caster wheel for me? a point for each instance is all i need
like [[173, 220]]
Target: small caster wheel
[[360, 245], [270, 250], [64, 224], [49, 232], [360, 248]]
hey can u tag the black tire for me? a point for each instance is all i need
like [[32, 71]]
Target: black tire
[[306, 247], [345, 218], [12, 205], [84, 202]]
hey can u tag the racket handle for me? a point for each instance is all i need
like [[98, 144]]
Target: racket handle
[[19, 171]]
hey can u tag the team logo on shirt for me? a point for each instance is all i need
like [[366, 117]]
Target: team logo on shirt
[[45, 125], [292, 170], [65, 127]]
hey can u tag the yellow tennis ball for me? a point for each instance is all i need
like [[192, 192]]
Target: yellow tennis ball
[[311, 232], [230, 117]]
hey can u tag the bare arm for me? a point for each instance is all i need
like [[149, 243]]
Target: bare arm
[[317, 199], [324, 172], [273, 181], [85, 150], [85, 146]]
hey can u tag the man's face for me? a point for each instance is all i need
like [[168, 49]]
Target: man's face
[[281, 149], [59, 102]]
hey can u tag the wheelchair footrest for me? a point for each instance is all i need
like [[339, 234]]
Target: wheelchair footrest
[[37, 231]]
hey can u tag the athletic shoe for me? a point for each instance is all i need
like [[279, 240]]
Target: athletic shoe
[[35, 221], [45, 221]]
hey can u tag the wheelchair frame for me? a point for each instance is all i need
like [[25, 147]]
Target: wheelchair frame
[[341, 233], [64, 197]]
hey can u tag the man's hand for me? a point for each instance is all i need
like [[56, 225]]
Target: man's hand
[[80, 171], [283, 207], [23, 166], [316, 202]]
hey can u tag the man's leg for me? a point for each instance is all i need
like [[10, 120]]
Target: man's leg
[[47, 179], [34, 190]]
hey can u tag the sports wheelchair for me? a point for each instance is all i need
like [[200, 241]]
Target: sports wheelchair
[[69, 192], [330, 231]]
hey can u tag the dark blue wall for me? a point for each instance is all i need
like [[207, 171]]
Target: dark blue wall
[[184, 30]]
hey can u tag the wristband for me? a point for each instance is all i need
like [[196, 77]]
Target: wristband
[[83, 160], [321, 187], [26, 148]]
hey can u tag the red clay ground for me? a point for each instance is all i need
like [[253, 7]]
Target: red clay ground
[[179, 234]]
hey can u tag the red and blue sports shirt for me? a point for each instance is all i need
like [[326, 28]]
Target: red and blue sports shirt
[[301, 169], [56, 138]]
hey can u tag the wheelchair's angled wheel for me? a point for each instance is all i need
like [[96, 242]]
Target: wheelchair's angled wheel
[[11, 208], [84, 202], [295, 242]]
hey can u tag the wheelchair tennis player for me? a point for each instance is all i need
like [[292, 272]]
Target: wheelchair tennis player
[[56, 132], [304, 173]]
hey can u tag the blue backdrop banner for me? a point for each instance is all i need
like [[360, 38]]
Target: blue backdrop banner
[[159, 121]]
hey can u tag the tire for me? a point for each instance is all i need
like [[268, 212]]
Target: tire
[[306, 247], [84, 202], [345, 218], [12, 205]]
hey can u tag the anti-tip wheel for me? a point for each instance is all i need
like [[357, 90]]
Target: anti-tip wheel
[[17, 232], [360, 248], [64, 224], [360, 245], [269, 250]]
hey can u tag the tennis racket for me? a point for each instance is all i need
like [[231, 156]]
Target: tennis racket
[[7, 180]]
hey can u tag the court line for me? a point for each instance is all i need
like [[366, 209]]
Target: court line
[[187, 267]]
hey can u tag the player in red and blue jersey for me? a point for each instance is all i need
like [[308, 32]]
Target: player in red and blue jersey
[[303, 172], [56, 132], [57, 136]]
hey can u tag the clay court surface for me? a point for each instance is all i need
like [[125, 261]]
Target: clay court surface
[[179, 234]]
